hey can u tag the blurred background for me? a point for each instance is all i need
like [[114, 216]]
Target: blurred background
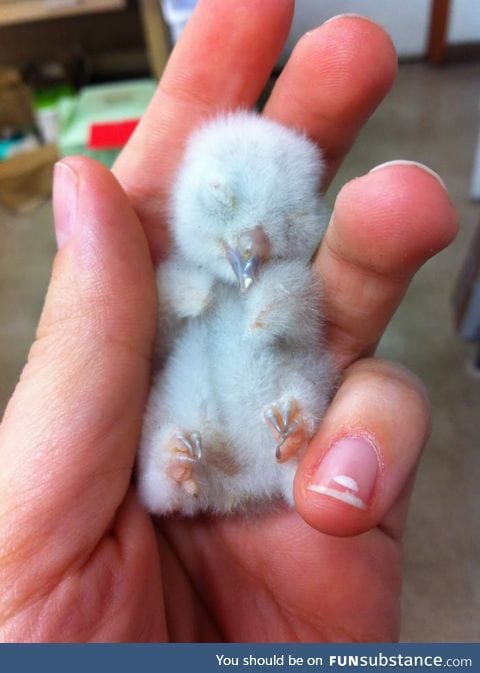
[[75, 76]]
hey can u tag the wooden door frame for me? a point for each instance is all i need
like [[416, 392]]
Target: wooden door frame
[[437, 37]]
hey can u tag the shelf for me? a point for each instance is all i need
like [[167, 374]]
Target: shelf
[[23, 11]]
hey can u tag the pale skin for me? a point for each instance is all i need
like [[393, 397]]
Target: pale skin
[[79, 557]]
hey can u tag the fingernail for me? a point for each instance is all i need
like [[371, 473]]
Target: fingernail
[[405, 162], [65, 186], [347, 15], [348, 472]]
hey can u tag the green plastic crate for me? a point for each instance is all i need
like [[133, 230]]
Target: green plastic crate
[[101, 103]]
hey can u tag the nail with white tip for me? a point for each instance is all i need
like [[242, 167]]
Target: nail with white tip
[[347, 15], [405, 162], [348, 472]]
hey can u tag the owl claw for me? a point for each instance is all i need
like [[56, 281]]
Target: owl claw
[[193, 445], [270, 418], [186, 450], [287, 426], [290, 430]]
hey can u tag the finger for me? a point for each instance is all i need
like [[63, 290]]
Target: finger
[[333, 81], [384, 226], [358, 466], [68, 438], [221, 62]]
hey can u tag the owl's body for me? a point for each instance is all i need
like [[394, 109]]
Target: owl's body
[[246, 379]]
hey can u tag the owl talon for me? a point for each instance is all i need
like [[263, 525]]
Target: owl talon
[[287, 427], [270, 418], [193, 445], [285, 435], [186, 450]]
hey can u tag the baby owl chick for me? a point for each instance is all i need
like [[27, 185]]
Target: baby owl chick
[[245, 377]]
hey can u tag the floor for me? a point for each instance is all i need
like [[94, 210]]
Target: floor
[[431, 116]]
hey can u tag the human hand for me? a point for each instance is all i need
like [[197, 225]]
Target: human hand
[[79, 557]]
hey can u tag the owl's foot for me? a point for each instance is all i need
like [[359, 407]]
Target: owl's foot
[[186, 452], [288, 428]]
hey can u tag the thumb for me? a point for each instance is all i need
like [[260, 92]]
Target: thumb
[[359, 468], [68, 437]]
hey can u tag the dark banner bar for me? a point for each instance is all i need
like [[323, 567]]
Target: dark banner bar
[[248, 658]]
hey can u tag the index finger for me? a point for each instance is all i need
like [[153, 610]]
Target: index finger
[[221, 62]]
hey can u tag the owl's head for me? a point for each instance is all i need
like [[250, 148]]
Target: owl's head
[[247, 192]]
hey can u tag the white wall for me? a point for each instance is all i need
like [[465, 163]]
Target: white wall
[[464, 25], [407, 21]]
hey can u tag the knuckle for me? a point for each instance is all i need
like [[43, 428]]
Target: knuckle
[[394, 382]]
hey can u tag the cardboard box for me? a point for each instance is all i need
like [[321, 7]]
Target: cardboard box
[[26, 179], [16, 108]]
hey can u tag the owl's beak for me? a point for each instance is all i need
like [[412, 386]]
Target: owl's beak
[[245, 259], [244, 268]]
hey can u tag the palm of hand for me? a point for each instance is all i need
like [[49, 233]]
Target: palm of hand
[[271, 578], [276, 579]]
